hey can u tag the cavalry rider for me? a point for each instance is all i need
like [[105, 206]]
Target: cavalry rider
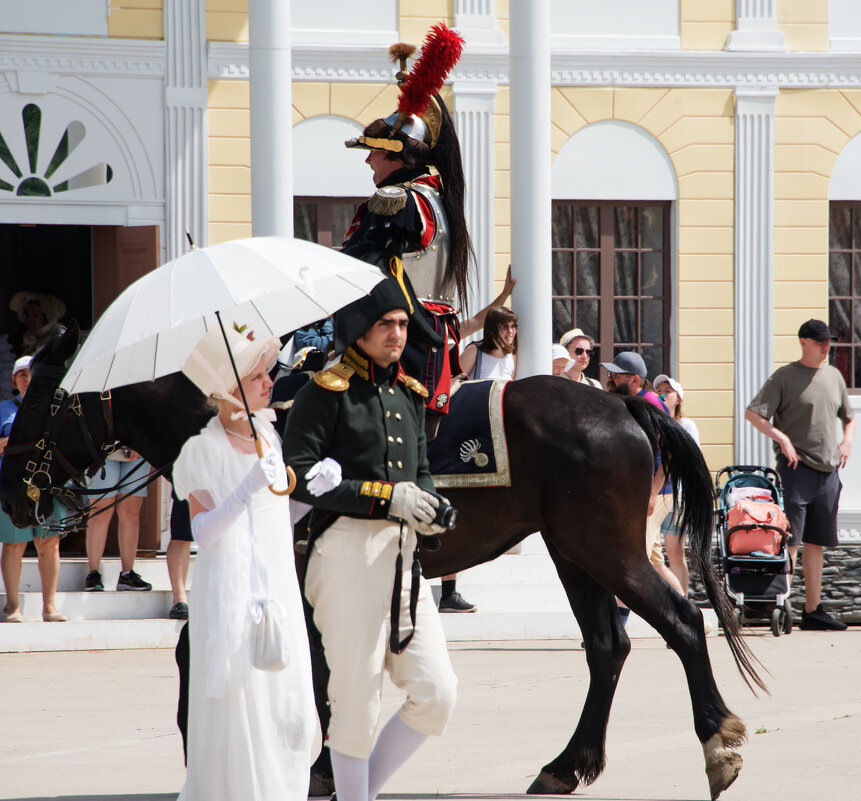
[[414, 222], [355, 437]]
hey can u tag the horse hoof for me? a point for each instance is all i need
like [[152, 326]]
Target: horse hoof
[[722, 769], [547, 784], [321, 785]]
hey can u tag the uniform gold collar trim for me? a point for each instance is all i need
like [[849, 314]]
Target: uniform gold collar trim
[[358, 362]]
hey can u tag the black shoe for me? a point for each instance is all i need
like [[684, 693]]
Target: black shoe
[[93, 582], [820, 620], [179, 611], [132, 581], [456, 603]]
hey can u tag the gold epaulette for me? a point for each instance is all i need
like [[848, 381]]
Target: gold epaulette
[[414, 384], [336, 378], [388, 200]]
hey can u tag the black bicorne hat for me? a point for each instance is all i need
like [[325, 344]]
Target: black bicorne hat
[[394, 292]]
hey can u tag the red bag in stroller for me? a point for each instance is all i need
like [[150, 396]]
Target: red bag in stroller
[[754, 526]]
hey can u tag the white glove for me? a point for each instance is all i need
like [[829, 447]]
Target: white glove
[[430, 529], [323, 477], [412, 504], [208, 527]]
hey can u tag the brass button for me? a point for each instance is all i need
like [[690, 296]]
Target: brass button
[[400, 464], [391, 391], [390, 464], [391, 438], [388, 413], [399, 440], [397, 415]]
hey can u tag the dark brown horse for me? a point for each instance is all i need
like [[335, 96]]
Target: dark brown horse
[[560, 436]]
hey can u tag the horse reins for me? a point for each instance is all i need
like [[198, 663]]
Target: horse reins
[[37, 474]]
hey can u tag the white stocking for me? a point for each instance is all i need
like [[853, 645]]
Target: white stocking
[[351, 777], [396, 743]]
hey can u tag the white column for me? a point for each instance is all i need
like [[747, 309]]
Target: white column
[[473, 119], [756, 27], [754, 262], [530, 182], [185, 95], [270, 78]]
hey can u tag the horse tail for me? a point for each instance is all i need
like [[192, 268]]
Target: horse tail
[[691, 481]]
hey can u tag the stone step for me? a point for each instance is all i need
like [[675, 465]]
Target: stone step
[[89, 635], [108, 605], [73, 571]]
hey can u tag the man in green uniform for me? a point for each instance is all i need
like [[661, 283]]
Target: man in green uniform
[[355, 437]]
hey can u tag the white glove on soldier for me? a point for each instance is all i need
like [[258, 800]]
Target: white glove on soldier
[[412, 504], [323, 477], [208, 527]]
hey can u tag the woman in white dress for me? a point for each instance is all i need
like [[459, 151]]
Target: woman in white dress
[[496, 355], [251, 733]]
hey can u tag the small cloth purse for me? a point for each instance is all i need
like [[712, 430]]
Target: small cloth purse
[[268, 635]]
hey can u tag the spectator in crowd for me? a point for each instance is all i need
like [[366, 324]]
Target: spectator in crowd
[[14, 539], [560, 360], [672, 394], [122, 464], [628, 377], [178, 557], [320, 335], [581, 348], [496, 355], [797, 407], [37, 313]]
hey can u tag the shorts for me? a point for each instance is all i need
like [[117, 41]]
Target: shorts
[[180, 520], [663, 505], [810, 499], [115, 472], [11, 534]]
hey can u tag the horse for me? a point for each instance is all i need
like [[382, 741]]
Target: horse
[[561, 436]]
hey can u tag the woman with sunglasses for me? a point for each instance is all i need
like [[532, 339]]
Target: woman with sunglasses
[[581, 348], [496, 355]]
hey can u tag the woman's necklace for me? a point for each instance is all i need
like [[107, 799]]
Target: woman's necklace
[[238, 435]]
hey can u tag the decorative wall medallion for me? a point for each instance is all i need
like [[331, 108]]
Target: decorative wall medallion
[[34, 185]]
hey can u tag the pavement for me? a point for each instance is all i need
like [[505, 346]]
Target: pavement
[[98, 725]]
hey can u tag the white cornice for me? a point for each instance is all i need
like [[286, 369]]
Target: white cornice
[[82, 56], [573, 68]]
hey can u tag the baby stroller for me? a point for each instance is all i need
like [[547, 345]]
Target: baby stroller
[[752, 533]]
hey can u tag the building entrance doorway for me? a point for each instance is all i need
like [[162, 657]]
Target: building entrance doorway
[[83, 268]]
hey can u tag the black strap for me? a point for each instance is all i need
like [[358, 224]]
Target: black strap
[[397, 645]]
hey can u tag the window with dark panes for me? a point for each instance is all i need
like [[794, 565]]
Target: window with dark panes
[[844, 289], [324, 220], [611, 278]]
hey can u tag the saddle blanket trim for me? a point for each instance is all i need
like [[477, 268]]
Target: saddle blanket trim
[[502, 476]]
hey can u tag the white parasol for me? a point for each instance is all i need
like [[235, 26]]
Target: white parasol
[[273, 285]]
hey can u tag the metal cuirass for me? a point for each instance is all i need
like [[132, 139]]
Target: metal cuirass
[[426, 268]]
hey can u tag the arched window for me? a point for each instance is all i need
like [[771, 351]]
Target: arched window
[[613, 188], [330, 180]]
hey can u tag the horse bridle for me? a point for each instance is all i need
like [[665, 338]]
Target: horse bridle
[[37, 472]]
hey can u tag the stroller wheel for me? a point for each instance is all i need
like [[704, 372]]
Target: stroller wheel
[[786, 619], [777, 621]]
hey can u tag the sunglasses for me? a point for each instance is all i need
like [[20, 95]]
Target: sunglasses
[[581, 351], [509, 326]]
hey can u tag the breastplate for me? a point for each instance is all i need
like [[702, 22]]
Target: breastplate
[[426, 268]]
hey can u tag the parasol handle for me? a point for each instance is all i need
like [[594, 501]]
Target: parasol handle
[[291, 475]]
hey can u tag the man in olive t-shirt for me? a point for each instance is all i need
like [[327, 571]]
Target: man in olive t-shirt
[[802, 399]]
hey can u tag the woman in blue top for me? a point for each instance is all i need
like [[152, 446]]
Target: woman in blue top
[[15, 539]]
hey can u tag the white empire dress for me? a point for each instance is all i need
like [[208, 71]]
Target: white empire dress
[[252, 734]]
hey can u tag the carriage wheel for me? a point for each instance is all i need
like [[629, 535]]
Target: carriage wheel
[[776, 621], [786, 619]]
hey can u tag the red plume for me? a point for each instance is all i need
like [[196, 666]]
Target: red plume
[[440, 52]]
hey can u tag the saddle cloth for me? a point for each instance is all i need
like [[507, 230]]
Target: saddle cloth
[[470, 449]]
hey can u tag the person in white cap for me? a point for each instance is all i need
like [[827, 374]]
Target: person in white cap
[[581, 348], [672, 394], [251, 731], [560, 360], [15, 539]]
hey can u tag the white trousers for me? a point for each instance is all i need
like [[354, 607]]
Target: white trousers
[[349, 582]]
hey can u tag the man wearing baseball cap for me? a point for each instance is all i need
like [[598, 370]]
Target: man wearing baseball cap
[[796, 408]]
